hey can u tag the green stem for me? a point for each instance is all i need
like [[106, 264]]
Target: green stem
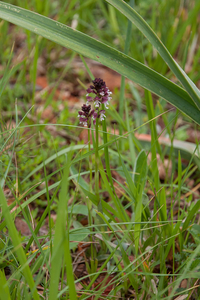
[[89, 205], [90, 162], [97, 162]]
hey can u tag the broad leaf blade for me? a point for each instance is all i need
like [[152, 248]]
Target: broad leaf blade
[[134, 17]]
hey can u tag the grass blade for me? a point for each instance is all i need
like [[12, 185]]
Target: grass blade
[[61, 241], [4, 290], [133, 16], [17, 245]]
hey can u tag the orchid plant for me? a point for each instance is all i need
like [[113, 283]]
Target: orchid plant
[[98, 97]]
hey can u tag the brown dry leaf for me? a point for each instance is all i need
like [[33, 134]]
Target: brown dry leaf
[[182, 297], [78, 286], [192, 191], [184, 283], [170, 255], [22, 227], [42, 82], [162, 166], [40, 289]]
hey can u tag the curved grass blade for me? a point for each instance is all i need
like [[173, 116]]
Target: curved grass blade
[[141, 24], [89, 47]]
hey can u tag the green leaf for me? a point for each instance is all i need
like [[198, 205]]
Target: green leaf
[[77, 236], [134, 17], [140, 171]]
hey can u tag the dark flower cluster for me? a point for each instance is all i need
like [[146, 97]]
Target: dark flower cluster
[[101, 95], [85, 115]]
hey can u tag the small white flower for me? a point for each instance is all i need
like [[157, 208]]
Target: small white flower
[[97, 103], [106, 105], [102, 93], [84, 123], [102, 117]]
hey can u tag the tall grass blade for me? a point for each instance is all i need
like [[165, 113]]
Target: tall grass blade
[[139, 179], [61, 241], [4, 290], [17, 245]]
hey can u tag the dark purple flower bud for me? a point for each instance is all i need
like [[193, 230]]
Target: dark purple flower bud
[[83, 119], [92, 112], [95, 115], [104, 99], [89, 90], [102, 111], [86, 108], [97, 98], [98, 84], [89, 98], [80, 113]]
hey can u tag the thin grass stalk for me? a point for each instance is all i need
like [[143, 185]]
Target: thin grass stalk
[[106, 154], [154, 139], [122, 86], [130, 136], [89, 205], [34, 70], [49, 211]]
